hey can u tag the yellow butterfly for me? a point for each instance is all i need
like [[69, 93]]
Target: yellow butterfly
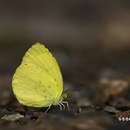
[[38, 81]]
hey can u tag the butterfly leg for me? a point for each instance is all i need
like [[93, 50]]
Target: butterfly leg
[[67, 104], [48, 109], [62, 105]]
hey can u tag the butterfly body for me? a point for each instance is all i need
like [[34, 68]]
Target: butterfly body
[[38, 82]]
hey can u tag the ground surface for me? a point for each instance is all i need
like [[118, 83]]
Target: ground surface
[[98, 91]]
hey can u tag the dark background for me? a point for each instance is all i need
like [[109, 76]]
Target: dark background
[[89, 27], [89, 38]]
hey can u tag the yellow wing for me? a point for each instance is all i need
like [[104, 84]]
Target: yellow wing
[[38, 81]]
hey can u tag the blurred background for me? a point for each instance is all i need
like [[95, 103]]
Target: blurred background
[[89, 38], [93, 28], [86, 35]]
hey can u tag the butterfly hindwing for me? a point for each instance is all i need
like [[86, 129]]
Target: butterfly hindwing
[[38, 80]]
